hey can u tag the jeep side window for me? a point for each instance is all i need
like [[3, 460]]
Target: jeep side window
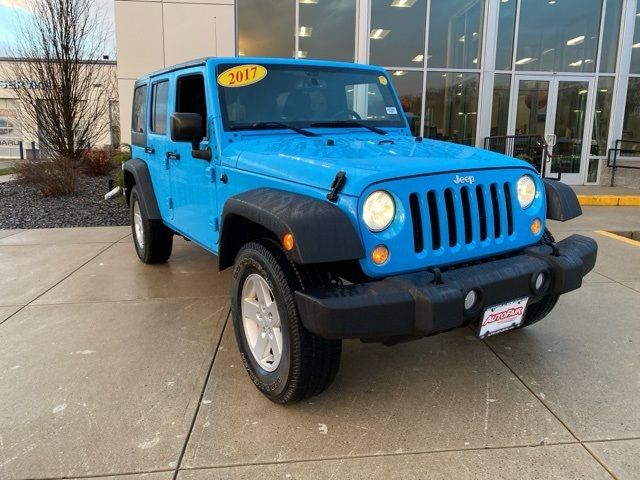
[[139, 116], [191, 98], [160, 95]]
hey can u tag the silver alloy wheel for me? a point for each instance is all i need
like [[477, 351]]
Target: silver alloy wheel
[[261, 322], [138, 228]]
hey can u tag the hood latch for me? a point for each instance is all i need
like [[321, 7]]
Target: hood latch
[[337, 185]]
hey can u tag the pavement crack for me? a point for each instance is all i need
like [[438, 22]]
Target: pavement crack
[[201, 397]]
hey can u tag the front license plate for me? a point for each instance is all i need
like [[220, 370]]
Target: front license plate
[[503, 317]]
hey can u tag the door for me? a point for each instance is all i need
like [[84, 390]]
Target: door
[[156, 145], [556, 108], [193, 179]]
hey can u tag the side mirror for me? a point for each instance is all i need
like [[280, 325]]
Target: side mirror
[[187, 127]]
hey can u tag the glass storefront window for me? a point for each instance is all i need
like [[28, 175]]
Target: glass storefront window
[[327, 29], [592, 170], [409, 88], [455, 33], [506, 29], [631, 123], [610, 36], [559, 36], [396, 37], [602, 117], [635, 51], [452, 106], [500, 104], [272, 38]]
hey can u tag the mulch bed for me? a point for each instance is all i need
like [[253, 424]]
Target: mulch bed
[[22, 206]]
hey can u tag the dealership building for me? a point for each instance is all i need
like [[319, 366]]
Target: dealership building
[[19, 138], [466, 70]]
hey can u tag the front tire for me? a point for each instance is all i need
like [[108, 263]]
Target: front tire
[[152, 239], [286, 362]]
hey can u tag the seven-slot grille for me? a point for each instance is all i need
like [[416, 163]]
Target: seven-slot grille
[[461, 215]]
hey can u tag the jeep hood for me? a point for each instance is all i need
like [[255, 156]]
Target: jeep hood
[[366, 159]]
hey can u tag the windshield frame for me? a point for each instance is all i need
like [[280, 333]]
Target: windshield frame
[[230, 126]]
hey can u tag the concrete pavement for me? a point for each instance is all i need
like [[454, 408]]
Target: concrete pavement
[[113, 368]]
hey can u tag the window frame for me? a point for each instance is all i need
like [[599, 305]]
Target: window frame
[[152, 107]]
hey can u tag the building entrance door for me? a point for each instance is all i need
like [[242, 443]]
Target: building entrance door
[[557, 108]]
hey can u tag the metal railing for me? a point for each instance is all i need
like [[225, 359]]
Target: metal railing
[[531, 148], [619, 149]]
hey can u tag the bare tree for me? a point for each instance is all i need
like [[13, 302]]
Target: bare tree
[[62, 83]]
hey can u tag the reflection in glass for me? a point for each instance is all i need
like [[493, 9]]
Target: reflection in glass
[[409, 88], [452, 106], [611, 32], [506, 28], [569, 127], [558, 37], [635, 51], [455, 33], [260, 38], [403, 45], [531, 113], [631, 124], [500, 104], [332, 33], [604, 97]]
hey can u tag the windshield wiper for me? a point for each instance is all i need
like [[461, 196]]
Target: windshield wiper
[[349, 123], [269, 125]]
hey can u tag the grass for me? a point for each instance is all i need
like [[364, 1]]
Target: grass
[[7, 171]]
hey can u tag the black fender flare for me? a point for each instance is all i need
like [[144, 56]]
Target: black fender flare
[[139, 170], [562, 202], [322, 232]]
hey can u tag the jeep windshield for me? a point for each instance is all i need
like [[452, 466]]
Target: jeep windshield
[[281, 96]]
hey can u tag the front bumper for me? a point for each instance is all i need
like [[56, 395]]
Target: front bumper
[[415, 305]]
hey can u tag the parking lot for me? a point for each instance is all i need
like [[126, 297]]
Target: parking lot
[[109, 367]]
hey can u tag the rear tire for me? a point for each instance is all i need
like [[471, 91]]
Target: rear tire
[[286, 362], [542, 307], [152, 239]]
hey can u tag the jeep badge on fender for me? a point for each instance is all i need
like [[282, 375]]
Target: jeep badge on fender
[[304, 178]]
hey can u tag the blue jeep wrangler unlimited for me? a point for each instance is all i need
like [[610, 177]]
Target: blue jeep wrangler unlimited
[[304, 177]]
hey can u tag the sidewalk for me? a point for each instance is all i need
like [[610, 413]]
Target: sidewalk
[[607, 196]]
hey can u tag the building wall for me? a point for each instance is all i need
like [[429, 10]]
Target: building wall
[[151, 35]]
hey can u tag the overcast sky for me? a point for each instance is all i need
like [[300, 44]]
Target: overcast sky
[[12, 10]]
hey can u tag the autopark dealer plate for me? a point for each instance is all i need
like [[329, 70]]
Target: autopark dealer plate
[[504, 316]]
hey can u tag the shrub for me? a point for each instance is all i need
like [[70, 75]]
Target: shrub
[[120, 157], [51, 178], [97, 162]]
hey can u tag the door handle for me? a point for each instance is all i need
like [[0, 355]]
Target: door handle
[[173, 156], [149, 150]]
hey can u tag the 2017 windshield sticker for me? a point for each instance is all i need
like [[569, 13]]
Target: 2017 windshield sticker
[[242, 75], [392, 111], [383, 80]]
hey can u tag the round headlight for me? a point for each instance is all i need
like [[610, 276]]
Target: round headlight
[[379, 210], [526, 188]]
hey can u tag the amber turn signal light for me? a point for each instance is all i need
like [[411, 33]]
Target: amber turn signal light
[[288, 242], [536, 226], [380, 254]]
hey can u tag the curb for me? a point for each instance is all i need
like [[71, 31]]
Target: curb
[[609, 200]]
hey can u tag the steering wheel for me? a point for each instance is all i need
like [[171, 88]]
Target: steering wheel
[[347, 113]]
